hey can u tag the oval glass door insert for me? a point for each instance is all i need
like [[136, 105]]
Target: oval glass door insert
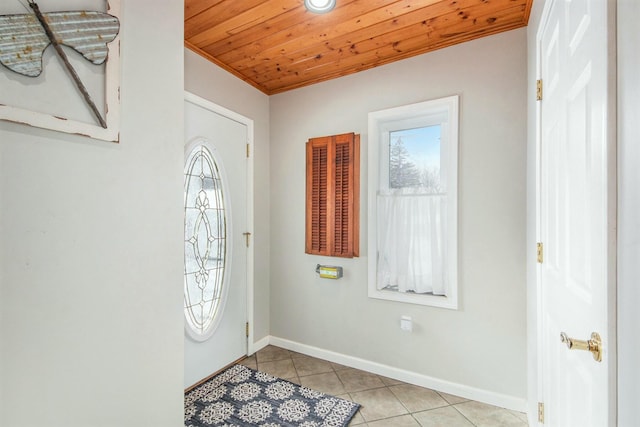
[[205, 239]]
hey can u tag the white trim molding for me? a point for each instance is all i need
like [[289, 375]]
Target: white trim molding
[[259, 345], [51, 114], [462, 390], [444, 112]]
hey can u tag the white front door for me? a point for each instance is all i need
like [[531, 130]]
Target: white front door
[[576, 221], [226, 139]]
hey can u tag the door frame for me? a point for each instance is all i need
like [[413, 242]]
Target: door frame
[[232, 115], [612, 209], [628, 211]]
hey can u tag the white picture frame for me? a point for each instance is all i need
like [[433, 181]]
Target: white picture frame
[[38, 102]]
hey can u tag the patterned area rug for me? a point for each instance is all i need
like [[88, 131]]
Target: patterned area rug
[[241, 396]]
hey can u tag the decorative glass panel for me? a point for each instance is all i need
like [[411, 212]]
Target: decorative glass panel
[[205, 235]]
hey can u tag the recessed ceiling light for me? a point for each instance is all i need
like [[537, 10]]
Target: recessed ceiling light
[[319, 6]]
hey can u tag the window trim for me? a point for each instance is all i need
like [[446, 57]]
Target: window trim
[[380, 124]]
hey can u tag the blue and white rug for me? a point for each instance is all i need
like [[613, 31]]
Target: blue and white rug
[[241, 396]]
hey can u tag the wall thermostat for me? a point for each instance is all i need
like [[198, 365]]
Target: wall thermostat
[[329, 272]]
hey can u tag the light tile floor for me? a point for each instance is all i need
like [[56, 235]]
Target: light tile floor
[[385, 402]]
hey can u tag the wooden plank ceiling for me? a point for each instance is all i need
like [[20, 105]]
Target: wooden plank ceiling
[[277, 45]]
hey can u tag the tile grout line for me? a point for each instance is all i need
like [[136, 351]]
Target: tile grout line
[[332, 369], [294, 366], [335, 372], [403, 405], [463, 415]]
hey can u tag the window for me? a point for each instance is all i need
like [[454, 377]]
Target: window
[[205, 239], [413, 158], [333, 196]]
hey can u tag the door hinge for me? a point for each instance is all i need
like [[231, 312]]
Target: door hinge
[[540, 252], [246, 329], [248, 150], [539, 90], [246, 235], [541, 412]]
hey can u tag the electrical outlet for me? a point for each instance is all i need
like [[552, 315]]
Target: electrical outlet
[[406, 324]]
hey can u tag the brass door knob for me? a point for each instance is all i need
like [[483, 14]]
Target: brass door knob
[[594, 345]]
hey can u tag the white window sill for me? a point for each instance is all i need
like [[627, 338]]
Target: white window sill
[[442, 301]]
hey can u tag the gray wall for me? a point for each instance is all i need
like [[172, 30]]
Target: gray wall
[[629, 212], [91, 328], [481, 345]]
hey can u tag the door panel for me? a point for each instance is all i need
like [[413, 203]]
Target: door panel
[[228, 139], [573, 212]]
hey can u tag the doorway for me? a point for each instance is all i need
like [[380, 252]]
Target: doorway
[[576, 215], [218, 283]]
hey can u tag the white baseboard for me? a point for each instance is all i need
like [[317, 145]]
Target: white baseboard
[[472, 393], [258, 345]]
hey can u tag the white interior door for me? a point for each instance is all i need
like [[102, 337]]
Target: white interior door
[[227, 139], [576, 221]]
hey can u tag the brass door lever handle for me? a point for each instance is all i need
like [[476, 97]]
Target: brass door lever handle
[[594, 345]]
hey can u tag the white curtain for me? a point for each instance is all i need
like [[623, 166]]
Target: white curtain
[[411, 242]]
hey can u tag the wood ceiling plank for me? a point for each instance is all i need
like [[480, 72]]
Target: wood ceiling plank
[[261, 30], [419, 21], [320, 30], [432, 30], [247, 19], [390, 45], [194, 7], [280, 85], [216, 15], [279, 24], [349, 64], [277, 45]]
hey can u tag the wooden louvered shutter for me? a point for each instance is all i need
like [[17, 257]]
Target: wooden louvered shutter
[[317, 183], [333, 195]]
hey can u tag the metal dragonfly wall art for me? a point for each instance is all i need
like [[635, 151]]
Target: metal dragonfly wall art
[[25, 37]]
